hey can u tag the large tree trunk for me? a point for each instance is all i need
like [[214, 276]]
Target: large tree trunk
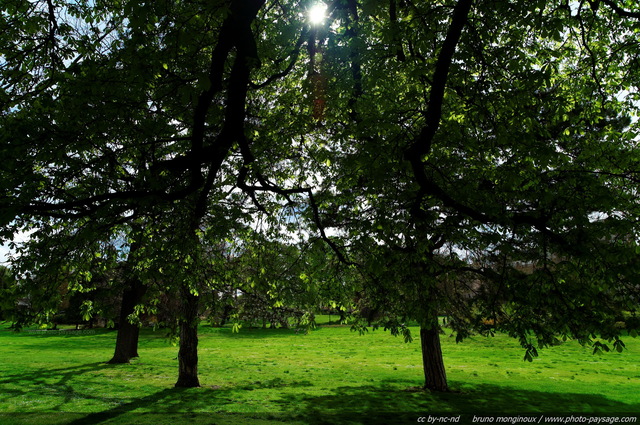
[[127, 339], [188, 353], [435, 377]]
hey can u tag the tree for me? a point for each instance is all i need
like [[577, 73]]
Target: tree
[[132, 296], [8, 290], [116, 112], [506, 134]]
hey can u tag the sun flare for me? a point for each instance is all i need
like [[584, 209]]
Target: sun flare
[[317, 13]]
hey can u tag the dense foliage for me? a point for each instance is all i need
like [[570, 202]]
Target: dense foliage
[[472, 159]]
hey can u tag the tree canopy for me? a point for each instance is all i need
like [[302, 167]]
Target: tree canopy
[[471, 159]]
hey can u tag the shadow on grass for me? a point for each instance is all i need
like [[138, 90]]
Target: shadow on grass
[[57, 382], [381, 404], [61, 375], [171, 406]]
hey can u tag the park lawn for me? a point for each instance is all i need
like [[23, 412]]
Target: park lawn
[[330, 375]]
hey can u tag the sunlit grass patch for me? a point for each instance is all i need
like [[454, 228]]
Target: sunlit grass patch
[[278, 375]]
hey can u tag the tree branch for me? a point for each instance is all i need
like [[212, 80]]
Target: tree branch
[[294, 58], [422, 145], [242, 15], [620, 11]]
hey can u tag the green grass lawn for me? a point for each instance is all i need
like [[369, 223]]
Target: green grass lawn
[[330, 375]]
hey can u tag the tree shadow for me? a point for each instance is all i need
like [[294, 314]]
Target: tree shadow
[[382, 405], [184, 405], [386, 402], [172, 406], [272, 383], [57, 382], [48, 373]]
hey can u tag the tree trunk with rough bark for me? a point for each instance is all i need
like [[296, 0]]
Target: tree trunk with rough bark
[[127, 339], [435, 377], [188, 353]]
